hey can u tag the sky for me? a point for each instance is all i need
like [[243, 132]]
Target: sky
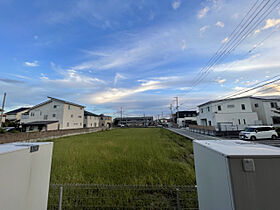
[[135, 54]]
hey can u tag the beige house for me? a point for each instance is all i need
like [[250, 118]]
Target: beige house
[[105, 121], [69, 115], [15, 115], [91, 120]]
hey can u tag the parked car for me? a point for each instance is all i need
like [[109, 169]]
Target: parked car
[[121, 125], [258, 132]]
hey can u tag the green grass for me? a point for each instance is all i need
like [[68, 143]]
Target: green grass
[[140, 156]]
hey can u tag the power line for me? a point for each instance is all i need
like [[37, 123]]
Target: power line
[[237, 41], [227, 52]]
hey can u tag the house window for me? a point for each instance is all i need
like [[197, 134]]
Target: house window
[[54, 115], [69, 107], [68, 124], [32, 114], [94, 124], [239, 121], [243, 107], [209, 122], [90, 124], [79, 116], [230, 106], [45, 117], [219, 108], [256, 105], [208, 109], [244, 121], [41, 113], [80, 123], [72, 116], [201, 110], [81, 108]]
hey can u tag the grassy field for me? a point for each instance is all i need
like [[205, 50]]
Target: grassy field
[[143, 156]]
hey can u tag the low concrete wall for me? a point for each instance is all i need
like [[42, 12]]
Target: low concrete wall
[[45, 135]]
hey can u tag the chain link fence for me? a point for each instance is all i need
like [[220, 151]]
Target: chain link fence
[[86, 197]]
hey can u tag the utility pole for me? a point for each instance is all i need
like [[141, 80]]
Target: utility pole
[[2, 110], [177, 108], [121, 114], [171, 113], [144, 120]]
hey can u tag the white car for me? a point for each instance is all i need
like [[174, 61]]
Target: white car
[[258, 132]]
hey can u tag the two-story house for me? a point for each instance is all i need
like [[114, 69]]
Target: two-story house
[[91, 120], [15, 115], [105, 121], [185, 118], [68, 115], [239, 112]]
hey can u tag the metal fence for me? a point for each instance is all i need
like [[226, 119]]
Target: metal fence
[[85, 197]]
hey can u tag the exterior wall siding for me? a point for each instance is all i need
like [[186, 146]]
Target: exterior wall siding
[[91, 121]]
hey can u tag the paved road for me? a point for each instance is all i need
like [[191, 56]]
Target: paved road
[[192, 135], [196, 136]]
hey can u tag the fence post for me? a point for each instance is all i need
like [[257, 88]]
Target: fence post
[[60, 198], [177, 199]]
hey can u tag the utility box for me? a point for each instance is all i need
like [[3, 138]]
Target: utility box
[[24, 175], [237, 175]]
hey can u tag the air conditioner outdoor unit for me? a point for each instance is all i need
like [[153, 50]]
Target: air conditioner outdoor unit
[[24, 175], [237, 175]]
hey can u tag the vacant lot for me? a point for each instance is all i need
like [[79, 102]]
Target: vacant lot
[[144, 156]]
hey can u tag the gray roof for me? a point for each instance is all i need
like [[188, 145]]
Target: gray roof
[[86, 113], [253, 97], [15, 111], [55, 99]]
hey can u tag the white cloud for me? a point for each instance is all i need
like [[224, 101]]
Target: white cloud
[[220, 24], [31, 64], [203, 12], [115, 94], [219, 80], [118, 77], [176, 4], [36, 37], [235, 15], [184, 45], [270, 23], [249, 83], [74, 79], [204, 28], [225, 40]]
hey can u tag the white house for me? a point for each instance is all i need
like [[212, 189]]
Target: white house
[[239, 112], [185, 118], [15, 115], [91, 120], [69, 115]]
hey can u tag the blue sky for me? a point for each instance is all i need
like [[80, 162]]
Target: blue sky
[[125, 53]]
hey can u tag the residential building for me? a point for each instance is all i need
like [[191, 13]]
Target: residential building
[[15, 115], [40, 126], [91, 120], [69, 115], [105, 121], [185, 118], [239, 112], [134, 121]]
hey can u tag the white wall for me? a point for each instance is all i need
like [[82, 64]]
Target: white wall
[[46, 112], [57, 111], [181, 123], [231, 112], [91, 121], [73, 117]]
